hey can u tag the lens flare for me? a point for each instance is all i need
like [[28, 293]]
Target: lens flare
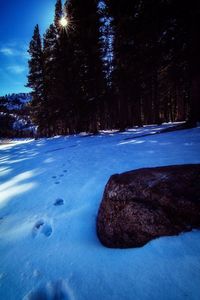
[[64, 22]]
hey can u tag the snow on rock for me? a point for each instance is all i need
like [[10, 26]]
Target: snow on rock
[[144, 204], [42, 244]]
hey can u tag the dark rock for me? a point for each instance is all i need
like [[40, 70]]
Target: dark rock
[[144, 204]]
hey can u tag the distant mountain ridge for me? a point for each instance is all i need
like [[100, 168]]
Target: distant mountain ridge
[[15, 100], [15, 115]]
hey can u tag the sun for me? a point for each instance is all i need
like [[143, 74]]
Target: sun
[[64, 22]]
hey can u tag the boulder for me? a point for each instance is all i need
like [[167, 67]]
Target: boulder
[[144, 204]]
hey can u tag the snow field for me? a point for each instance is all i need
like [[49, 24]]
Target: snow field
[[50, 192]]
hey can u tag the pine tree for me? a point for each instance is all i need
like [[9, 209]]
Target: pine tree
[[106, 39], [87, 62], [65, 83], [50, 76], [58, 58], [58, 14], [126, 89], [36, 80]]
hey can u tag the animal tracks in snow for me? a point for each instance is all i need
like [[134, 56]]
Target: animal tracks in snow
[[42, 227], [59, 177], [58, 290], [59, 202]]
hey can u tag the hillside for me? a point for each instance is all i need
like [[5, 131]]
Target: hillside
[[15, 116]]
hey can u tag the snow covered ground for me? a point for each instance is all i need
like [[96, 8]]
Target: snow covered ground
[[50, 191]]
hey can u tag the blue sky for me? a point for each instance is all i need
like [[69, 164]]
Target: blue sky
[[17, 21]]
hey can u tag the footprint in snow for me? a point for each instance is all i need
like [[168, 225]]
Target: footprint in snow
[[59, 290], [59, 202], [60, 176], [41, 227]]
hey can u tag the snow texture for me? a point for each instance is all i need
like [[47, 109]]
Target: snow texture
[[50, 192]]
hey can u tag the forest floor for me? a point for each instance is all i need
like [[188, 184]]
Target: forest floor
[[50, 192]]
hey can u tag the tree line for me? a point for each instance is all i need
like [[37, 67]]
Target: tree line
[[116, 64]]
